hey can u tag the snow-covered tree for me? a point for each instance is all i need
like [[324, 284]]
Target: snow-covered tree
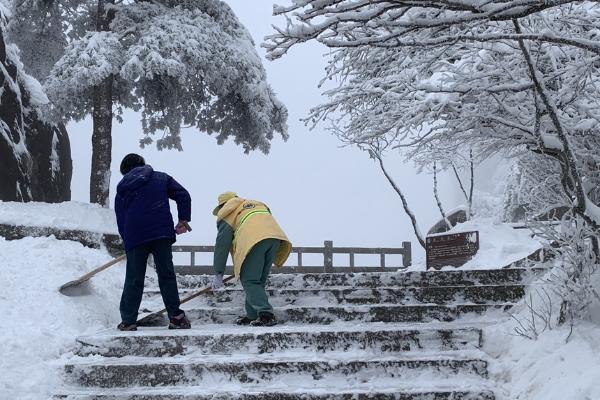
[[437, 79], [178, 63], [533, 190], [40, 29], [442, 78]]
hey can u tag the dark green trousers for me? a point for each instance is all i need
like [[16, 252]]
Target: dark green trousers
[[254, 274]]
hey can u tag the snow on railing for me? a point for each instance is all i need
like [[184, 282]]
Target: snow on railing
[[328, 251]]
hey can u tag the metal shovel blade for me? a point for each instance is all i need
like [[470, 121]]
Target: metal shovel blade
[[76, 288], [72, 288]]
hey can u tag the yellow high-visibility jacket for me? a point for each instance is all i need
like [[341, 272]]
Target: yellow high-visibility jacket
[[242, 224]]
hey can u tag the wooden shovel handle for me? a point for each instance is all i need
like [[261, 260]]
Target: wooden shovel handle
[[203, 291], [102, 267], [184, 300]]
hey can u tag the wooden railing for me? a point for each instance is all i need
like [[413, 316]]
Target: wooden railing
[[328, 251]]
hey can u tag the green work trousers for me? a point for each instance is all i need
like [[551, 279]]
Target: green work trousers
[[254, 274]]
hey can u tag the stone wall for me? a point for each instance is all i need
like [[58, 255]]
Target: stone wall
[[96, 240]]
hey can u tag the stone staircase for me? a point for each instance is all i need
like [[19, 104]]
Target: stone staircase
[[408, 336]]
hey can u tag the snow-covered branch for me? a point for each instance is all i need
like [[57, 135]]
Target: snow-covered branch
[[350, 23], [208, 74]]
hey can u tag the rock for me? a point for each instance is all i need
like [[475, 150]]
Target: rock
[[14, 176], [95, 240], [36, 155], [52, 169], [455, 217]]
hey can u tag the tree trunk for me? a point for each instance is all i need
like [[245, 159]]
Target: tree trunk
[[437, 197], [413, 219], [102, 123]]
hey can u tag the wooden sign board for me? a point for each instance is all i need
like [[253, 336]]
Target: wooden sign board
[[451, 250]]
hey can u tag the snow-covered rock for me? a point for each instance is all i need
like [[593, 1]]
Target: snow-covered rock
[[70, 215], [36, 155], [454, 217]]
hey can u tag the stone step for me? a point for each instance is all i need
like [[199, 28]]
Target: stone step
[[379, 339], [511, 276], [332, 296], [366, 394], [363, 313], [338, 370]]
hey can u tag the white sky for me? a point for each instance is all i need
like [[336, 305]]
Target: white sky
[[316, 189]]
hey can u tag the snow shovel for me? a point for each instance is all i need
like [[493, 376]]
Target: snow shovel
[[74, 288], [157, 318]]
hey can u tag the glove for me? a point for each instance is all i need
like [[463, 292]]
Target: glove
[[217, 282], [180, 228]]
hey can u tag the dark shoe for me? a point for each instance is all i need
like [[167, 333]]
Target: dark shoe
[[243, 320], [264, 319], [127, 327], [180, 321]]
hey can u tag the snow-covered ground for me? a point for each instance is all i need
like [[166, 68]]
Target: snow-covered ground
[[38, 324], [549, 368], [67, 215]]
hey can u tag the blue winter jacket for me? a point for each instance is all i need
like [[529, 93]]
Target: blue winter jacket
[[142, 206]]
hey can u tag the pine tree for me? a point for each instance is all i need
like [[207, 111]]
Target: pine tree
[[178, 63]]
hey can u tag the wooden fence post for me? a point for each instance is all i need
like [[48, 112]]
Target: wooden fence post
[[407, 256], [328, 256]]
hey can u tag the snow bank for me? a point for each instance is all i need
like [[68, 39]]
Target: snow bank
[[499, 244], [67, 215], [38, 324], [549, 368]]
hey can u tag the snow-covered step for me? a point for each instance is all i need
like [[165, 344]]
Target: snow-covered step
[[373, 393], [392, 335], [338, 370], [360, 313], [509, 276], [389, 295], [378, 339]]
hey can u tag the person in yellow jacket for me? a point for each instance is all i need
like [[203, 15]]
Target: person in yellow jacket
[[248, 231]]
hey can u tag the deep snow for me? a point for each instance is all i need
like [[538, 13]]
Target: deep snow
[[549, 368], [38, 324]]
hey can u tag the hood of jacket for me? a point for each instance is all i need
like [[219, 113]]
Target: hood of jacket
[[135, 179], [230, 207]]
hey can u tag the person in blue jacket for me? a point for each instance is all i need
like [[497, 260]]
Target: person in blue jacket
[[146, 226]]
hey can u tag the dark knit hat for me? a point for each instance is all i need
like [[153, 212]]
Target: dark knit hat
[[131, 161]]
